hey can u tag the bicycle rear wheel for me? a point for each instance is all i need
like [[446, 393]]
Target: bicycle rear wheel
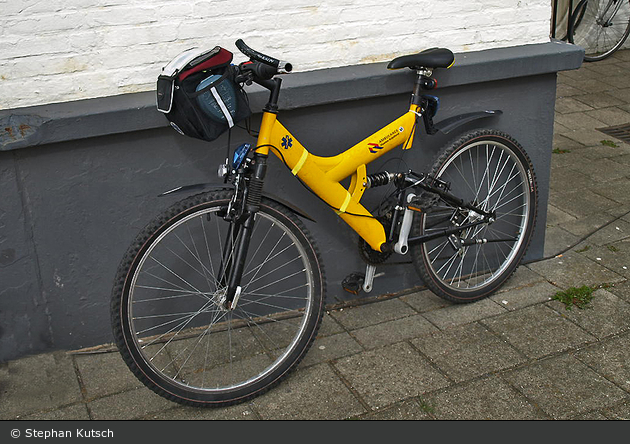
[[169, 320], [600, 27], [491, 170]]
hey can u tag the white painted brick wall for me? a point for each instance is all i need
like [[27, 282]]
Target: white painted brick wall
[[62, 50]]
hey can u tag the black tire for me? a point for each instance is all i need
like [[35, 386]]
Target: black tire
[[492, 170], [168, 321], [593, 27]]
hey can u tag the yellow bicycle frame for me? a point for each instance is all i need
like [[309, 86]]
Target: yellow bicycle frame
[[324, 174]]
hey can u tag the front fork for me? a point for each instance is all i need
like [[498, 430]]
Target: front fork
[[241, 215]]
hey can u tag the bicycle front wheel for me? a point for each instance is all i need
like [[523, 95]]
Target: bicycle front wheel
[[492, 171], [600, 27], [168, 312]]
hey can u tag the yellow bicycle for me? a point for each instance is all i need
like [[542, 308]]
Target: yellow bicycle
[[221, 296]]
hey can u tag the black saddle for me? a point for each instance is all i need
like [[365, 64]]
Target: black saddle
[[429, 58]]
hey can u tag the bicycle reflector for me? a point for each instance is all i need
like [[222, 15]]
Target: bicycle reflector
[[240, 154]]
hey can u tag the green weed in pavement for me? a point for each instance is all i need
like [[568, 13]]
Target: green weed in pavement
[[574, 296]]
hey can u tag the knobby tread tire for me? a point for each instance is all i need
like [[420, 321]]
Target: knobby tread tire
[[441, 158], [139, 245]]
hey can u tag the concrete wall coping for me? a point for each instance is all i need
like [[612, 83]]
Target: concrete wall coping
[[60, 122]]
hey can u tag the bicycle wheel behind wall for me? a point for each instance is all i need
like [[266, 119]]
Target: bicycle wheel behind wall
[[601, 27]]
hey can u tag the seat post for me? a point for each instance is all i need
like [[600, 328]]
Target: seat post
[[423, 82]]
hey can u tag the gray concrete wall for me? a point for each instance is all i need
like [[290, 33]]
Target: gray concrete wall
[[79, 180]]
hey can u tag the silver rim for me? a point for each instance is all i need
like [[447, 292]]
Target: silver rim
[[603, 28], [176, 315], [491, 175]]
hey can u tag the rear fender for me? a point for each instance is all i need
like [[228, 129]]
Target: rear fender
[[447, 125]]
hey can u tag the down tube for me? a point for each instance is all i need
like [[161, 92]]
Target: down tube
[[312, 170]]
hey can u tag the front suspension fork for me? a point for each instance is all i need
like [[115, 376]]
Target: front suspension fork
[[234, 259]]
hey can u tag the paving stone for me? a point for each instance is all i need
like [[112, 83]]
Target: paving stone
[[231, 413], [615, 257], [587, 136], [556, 216], [618, 190], [525, 296], [393, 331], [591, 84], [562, 130], [467, 352], [570, 105], [600, 100], [487, 398], [578, 120], [413, 410], [329, 326], [538, 331], [599, 170], [564, 387], [364, 315], [391, 374], [594, 415], [605, 151], [313, 393], [612, 232], [563, 178], [558, 240], [76, 412], [611, 116], [424, 301], [604, 316], [621, 289], [132, 404], [610, 359], [331, 347], [463, 313], [620, 411], [567, 90], [522, 277], [562, 142], [105, 374], [574, 270], [586, 226], [583, 203], [623, 94], [37, 383], [605, 70]]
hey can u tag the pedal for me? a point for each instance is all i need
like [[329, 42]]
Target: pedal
[[353, 283], [424, 202]]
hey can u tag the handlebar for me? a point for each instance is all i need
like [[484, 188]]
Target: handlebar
[[279, 65]]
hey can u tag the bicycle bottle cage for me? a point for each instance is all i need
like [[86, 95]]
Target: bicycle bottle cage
[[198, 94]]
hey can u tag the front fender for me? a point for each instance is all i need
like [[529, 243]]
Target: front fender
[[215, 187]]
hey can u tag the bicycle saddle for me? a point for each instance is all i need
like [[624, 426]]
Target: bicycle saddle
[[429, 58]]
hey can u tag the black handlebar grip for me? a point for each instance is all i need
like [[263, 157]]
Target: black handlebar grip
[[264, 71], [253, 54], [260, 57]]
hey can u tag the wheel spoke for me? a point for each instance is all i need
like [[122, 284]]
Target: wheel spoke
[[491, 175], [179, 326]]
